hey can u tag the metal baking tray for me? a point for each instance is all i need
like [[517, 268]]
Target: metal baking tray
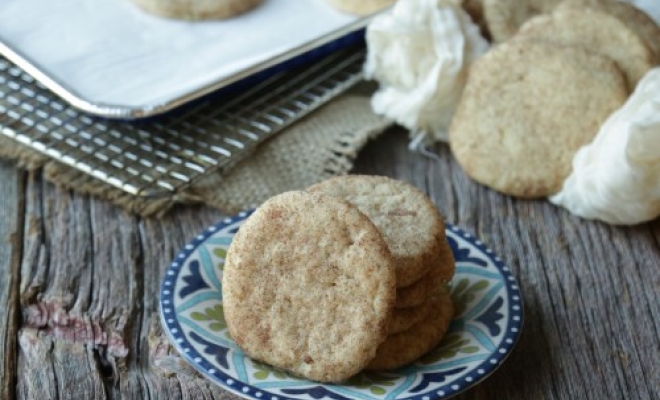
[[97, 58], [165, 154]]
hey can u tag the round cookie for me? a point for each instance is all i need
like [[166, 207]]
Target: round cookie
[[412, 227], [417, 293], [304, 275], [526, 109], [633, 17], [594, 31], [196, 9], [404, 318], [405, 347], [504, 17], [361, 7]]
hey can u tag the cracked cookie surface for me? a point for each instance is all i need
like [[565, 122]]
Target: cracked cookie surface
[[309, 286], [528, 106], [412, 226], [405, 347], [595, 31]]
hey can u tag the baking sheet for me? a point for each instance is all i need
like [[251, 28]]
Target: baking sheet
[[110, 58]]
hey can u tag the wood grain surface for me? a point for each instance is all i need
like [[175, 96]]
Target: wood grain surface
[[79, 284]]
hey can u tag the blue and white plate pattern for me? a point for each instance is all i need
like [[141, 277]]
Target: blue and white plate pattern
[[485, 328]]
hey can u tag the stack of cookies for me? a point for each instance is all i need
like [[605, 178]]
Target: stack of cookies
[[543, 92], [348, 275], [414, 232]]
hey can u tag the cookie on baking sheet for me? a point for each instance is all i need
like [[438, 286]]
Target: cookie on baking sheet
[[526, 109], [309, 286], [361, 7], [406, 347], [634, 18], [419, 291], [197, 9], [595, 31], [410, 223], [504, 17]]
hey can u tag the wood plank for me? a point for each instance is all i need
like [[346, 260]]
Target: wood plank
[[169, 376], [79, 296], [64, 329], [90, 299], [57, 369], [11, 213]]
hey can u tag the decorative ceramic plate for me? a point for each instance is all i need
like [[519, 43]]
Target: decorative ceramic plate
[[485, 328]]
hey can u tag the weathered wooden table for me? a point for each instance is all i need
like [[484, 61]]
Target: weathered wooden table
[[79, 283]]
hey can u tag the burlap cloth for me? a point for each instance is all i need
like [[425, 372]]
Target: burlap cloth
[[321, 145]]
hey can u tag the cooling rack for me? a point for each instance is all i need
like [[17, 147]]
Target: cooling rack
[[162, 155]]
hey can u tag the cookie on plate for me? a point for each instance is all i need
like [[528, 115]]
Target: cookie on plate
[[419, 291], [633, 17], [404, 318], [361, 7], [406, 347], [412, 227], [504, 17], [527, 107], [309, 286], [197, 9], [595, 31]]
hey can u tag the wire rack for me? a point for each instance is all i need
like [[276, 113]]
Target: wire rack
[[162, 155]]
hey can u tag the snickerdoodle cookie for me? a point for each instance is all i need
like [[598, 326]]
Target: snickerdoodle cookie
[[594, 31], [419, 291], [504, 17], [309, 286], [407, 346], [361, 7], [404, 318], [412, 227], [528, 106], [197, 9], [631, 16]]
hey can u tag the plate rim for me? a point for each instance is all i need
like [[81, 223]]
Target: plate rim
[[488, 366]]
